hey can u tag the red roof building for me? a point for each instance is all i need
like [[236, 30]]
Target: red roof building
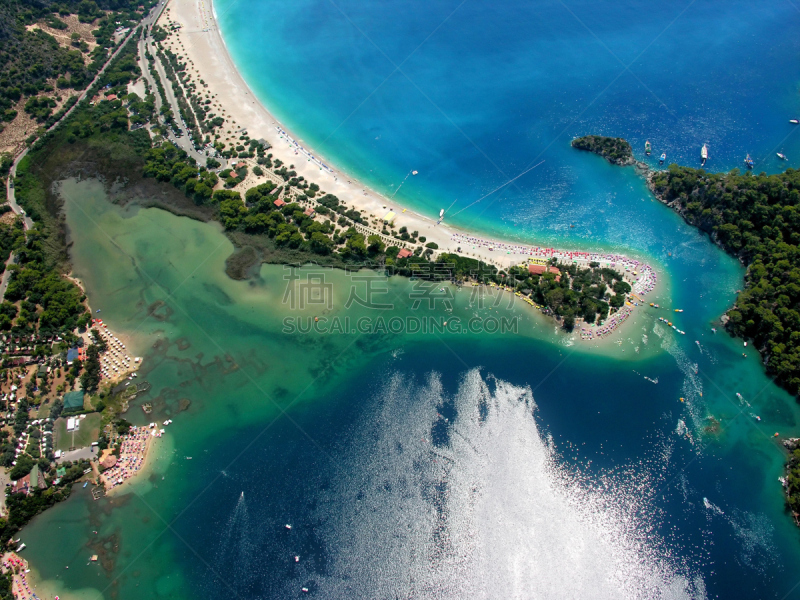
[[279, 203], [404, 253], [240, 165], [309, 212], [542, 269]]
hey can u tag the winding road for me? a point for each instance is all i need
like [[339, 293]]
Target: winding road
[[146, 23]]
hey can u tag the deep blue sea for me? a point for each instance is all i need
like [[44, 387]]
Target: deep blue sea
[[473, 93]]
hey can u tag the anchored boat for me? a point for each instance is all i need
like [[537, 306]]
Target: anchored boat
[[782, 156], [662, 158], [704, 154], [748, 162], [647, 148]]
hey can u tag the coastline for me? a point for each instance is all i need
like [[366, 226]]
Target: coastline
[[207, 47], [200, 42], [149, 461]]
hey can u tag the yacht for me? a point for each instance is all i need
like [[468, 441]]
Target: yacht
[[704, 154], [647, 148], [782, 156], [794, 121]]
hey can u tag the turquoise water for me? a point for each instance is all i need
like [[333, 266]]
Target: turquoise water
[[456, 466], [485, 90], [476, 466]]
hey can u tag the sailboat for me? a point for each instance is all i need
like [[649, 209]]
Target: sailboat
[[662, 158], [749, 162], [704, 154], [647, 148]]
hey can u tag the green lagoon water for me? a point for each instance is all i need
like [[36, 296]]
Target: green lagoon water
[[417, 465]]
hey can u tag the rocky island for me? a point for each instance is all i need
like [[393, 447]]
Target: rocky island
[[617, 151]]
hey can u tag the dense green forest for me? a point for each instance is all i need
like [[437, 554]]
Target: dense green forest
[[615, 150], [578, 292], [756, 218]]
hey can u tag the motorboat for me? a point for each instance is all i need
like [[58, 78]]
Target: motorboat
[[704, 154], [647, 148], [782, 156], [662, 158], [794, 121], [748, 162]]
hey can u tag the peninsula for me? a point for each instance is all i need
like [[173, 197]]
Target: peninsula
[[281, 202]]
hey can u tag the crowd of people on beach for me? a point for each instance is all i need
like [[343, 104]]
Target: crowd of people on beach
[[641, 276], [592, 332], [115, 361], [131, 455], [20, 586], [299, 148]]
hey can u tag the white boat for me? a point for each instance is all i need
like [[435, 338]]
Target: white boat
[[441, 213], [707, 503], [794, 121], [782, 156], [288, 527], [414, 172], [704, 153], [21, 547]]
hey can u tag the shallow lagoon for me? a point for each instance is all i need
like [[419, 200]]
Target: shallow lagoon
[[412, 463]]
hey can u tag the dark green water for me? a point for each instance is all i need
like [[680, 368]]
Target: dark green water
[[418, 465]]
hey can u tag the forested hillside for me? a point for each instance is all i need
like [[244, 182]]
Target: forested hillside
[[757, 218]]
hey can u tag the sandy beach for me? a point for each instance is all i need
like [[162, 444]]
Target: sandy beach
[[200, 43]]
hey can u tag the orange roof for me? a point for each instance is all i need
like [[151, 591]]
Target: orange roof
[[541, 269], [404, 253]]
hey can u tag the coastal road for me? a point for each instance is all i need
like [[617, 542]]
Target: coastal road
[[185, 142], [6, 277], [12, 200], [146, 22]]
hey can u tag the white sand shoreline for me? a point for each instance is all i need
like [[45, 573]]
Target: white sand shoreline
[[200, 42]]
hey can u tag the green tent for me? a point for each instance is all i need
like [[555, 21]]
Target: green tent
[[73, 400]]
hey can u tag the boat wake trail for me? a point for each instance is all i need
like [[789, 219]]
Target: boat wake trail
[[477, 505]]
